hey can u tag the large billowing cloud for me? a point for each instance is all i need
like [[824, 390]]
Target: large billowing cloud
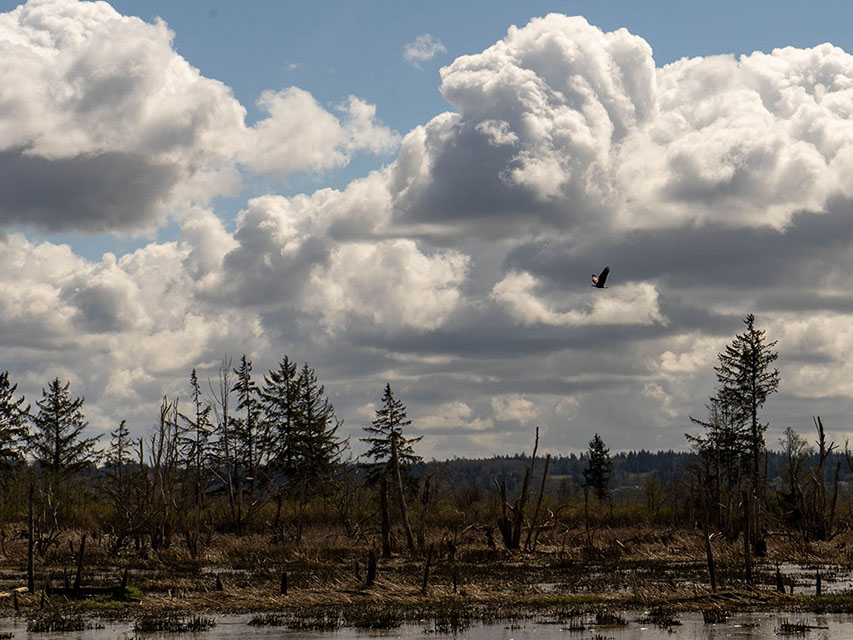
[[565, 126], [103, 126], [713, 187]]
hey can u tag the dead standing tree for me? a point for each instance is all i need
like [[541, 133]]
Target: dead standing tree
[[511, 519], [820, 510]]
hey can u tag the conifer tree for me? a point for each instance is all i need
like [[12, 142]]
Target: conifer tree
[[13, 420], [248, 423], [280, 397], [389, 424], [195, 436], [393, 452], [249, 440], [746, 380], [56, 441], [316, 447], [596, 475]]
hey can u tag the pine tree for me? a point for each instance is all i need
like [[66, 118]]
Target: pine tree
[[392, 452], [316, 447], [723, 454], [280, 397], [249, 440], [389, 423], [596, 475], [127, 482], [248, 424], [195, 435], [55, 441], [118, 455], [13, 420], [746, 381]]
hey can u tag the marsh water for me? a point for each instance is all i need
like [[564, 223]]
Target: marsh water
[[746, 626]]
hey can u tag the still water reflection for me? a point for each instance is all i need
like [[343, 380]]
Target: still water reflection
[[747, 626]]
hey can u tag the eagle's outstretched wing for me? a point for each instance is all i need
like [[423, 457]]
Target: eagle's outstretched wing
[[598, 281]]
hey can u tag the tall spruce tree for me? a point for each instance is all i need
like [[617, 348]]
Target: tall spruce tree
[[13, 420], [248, 423], [281, 397], [316, 449], [392, 452], [56, 441], [386, 431], [746, 380], [195, 436], [316, 446]]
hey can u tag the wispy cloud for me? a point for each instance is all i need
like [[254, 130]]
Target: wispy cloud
[[424, 48]]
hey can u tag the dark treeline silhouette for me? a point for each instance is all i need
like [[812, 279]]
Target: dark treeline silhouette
[[262, 453]]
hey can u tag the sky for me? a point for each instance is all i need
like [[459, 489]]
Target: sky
[[417, 194]]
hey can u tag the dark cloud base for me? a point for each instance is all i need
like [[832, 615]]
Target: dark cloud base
[[106, 192]]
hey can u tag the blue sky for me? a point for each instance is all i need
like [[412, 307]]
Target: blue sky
[[386, 221]]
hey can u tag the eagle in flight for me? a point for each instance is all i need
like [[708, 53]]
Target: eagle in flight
[[599, 280]]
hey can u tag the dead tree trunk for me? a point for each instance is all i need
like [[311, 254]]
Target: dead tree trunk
[[747, 551], [425, 583], [425, 495], [538, 504], [31, 584], [706, 535], [79, 575], [401, 498], [385, 519], [511, 528]]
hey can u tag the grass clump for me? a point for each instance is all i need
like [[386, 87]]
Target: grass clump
[[714, 616], [172, 623], [59, 622], [660, 617], [374, 617], [451, 622], [605, 618], [268, 620]]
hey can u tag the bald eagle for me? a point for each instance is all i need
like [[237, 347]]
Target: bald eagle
[[599, 280]]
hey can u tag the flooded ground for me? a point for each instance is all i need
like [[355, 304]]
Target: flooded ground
[[745, 626], [796, 578]]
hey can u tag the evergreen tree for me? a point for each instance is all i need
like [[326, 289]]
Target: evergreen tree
[[723, 455], [316, 447], [281, 397], [13, 420], [196, 434], [56, 441], [725, 444], [746, 381], [248, 424], [596, 475], [118, 455], [388, 425]]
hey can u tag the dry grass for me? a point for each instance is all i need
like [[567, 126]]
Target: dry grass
[[627, 567]]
